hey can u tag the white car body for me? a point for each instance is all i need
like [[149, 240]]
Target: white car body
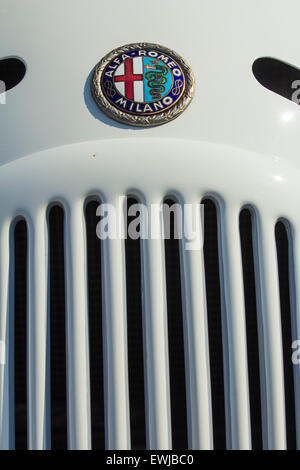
[[237, 142]]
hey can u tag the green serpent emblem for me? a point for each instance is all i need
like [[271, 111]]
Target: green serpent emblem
[[156, 79]]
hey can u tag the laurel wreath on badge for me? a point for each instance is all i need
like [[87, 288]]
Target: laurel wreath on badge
[[143, 84]]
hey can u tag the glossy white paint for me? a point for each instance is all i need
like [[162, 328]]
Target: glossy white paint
[[197, 365], [38, 333], [61, 42], [156, 341], [294, 235], [238, 433], [78, 378], [6, 426], [269, 321], [115, 342], [237, 142]]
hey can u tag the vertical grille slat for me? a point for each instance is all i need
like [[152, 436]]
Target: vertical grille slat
[[271, 358], [57, 329], [175, 336], [6, 294], [37, 335], [95, 326], [196, 339], [294, 277], [116, 396], [20, 332], [156, 339], [252, 327], [233, 310], [283, 249], [135, 337], [214, 317], [78, 380]]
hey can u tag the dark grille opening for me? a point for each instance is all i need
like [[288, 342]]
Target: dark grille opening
[[95, 326], [251, 327], [278, 76], [12, 72], [135, 339], [20, 308], [284, 288], [57, 330], [176, 339], [214, 315]]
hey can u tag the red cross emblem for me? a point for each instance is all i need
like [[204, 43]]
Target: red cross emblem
[[128, 78]]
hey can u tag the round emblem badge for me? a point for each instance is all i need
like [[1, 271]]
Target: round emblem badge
[[143, 84]]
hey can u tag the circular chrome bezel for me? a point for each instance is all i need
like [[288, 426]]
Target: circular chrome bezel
[[156, 118]]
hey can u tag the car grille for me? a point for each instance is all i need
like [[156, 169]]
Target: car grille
[[128, 344]]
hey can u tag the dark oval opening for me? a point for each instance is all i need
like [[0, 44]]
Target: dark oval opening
[[12, 72], [279, 77]]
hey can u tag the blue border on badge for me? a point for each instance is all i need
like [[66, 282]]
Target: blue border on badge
[[143, 108]]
